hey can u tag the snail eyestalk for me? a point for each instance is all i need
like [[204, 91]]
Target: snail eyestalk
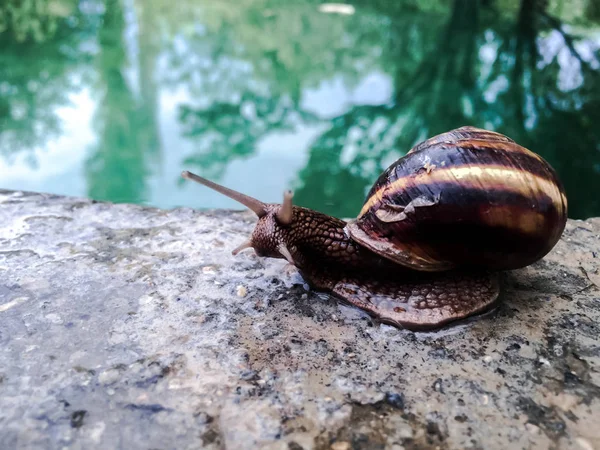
[[284, 216], [255, 205], [244, 246]]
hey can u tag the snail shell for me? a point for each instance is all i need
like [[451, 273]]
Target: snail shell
[[468, 197]]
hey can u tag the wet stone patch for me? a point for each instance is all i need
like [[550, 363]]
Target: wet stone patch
[[131, 327]]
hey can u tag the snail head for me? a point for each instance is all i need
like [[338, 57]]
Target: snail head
[[274, 220]]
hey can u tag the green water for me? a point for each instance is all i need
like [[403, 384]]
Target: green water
[[112, 99]]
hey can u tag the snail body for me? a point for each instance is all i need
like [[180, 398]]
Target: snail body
[[434, 232]]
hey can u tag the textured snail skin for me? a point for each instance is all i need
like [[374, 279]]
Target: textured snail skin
[[468, 197], [421, 302], [332, 262]]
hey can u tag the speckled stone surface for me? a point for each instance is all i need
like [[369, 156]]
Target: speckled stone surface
[[126, 327]]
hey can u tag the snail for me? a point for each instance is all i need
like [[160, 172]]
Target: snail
[[437, 229]]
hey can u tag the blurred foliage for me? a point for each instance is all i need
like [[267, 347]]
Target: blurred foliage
[[500, 64], [119, 166], [36, 20], [257, 57], [527, 68], [42, 60]]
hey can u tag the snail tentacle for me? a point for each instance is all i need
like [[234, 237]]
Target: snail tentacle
[[286, 212], [259, 208], [243, 246], [283, 250]]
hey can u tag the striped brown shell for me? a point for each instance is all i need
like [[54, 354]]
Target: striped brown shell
[[468, 197]]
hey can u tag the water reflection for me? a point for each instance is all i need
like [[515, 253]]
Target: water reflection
[[267, 95], [127, 134]]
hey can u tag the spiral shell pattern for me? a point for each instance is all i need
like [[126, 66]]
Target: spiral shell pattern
[[468, 197]]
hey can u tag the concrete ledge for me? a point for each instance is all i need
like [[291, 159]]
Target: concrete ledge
[[130, 327]]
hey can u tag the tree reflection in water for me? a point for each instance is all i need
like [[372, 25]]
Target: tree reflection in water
[[522, 73], [525, 68]]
